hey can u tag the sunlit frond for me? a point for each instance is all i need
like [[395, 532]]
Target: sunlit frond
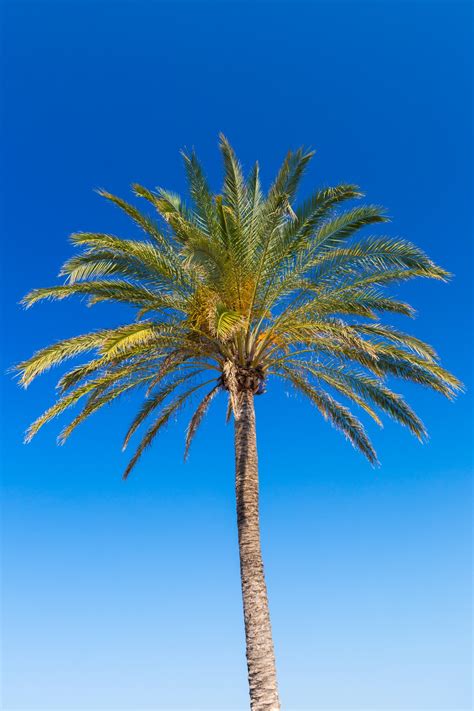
[[50, 356]]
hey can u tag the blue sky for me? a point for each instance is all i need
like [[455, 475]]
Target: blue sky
[[126, 595]]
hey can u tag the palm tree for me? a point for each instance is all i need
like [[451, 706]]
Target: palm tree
[[231, 290]]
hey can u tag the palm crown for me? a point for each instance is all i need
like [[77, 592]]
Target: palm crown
[[234, 288]]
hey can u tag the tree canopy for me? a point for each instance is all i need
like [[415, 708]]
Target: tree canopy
[[233, 289]]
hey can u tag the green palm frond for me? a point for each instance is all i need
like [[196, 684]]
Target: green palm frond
[[155, 401], [367, 389], [392, 334], [133, 359], [289, 176], [373, 254], [148, 225], [143, 258], [337, 414], [227, 322], [103, 395], [234, 191], [159, 423], [96, 385], [201, 194], [255, 200]]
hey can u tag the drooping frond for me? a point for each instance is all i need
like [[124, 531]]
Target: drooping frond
[[363, 389], [103, 395], [337, 414], [158, 424], [71, 398], [404, 339], [198, 417], [155, 401]]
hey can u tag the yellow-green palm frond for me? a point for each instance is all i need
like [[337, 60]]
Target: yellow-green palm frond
[[404, 339], [46, 358]]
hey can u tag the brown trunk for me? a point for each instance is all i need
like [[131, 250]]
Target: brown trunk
[[258, 632]]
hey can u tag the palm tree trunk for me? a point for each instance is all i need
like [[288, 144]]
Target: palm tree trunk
[[258, 632]]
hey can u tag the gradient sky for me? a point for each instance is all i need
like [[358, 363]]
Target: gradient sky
[[126, 595]]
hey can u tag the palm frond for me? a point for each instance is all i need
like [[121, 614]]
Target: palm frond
[[46, 358], [234, 184], [158, 424], [354, 383], [201, 194], [143, 221], [105, 290], [155, 401], [339, 416], [198, 416]]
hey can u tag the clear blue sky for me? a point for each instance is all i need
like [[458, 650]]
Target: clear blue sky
[[126, 595]]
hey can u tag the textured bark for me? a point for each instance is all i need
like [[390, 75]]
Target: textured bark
[[258, 633]]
